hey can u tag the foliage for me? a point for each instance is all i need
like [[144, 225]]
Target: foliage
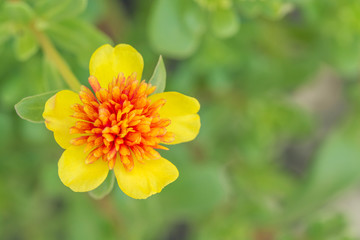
[[245, 61]]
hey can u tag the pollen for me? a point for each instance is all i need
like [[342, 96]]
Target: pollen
[[120, 122]]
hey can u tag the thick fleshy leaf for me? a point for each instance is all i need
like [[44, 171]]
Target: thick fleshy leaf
[[76, 174], [108, 62], [6, 31], [182, 111], [51, 76], [69, 35], [18, 12], [57, 115], [194, 17], [31, 108], [58, 10], [105, 188], [145, 179], [168, 32], [225, 22], [26, 45], [158, 78]]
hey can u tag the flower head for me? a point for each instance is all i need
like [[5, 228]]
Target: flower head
[[119, 126]]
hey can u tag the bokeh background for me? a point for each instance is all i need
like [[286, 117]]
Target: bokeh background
[[278, 154]]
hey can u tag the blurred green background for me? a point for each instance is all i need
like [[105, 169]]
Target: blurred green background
[[278, 154]]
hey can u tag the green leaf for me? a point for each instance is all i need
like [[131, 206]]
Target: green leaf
[[32, 108], [78, 37], [336, 167], [194, 18], [225, 22], [51, 76], [18, 12], [331, 227], [199, 188], [26, 45], [59, 10], [6, 31], [167, 31], [158, 78], [105, 188], [196, 192]]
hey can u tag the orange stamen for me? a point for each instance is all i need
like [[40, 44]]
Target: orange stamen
[[120, 122]]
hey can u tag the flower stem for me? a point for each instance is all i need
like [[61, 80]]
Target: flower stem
[[57, 59]]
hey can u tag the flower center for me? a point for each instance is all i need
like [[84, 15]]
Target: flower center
[[120, 121]]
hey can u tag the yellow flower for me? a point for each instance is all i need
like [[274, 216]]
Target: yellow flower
[[119, 127]]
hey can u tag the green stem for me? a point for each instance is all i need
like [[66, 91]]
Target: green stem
[[54, 56]]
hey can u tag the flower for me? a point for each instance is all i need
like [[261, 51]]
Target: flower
[[119, 126]]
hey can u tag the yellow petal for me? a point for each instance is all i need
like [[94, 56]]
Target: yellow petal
[[145, 179], [76, 174], [185, 128], [57, 115], [107, 62], [177, 104], [181, 110]]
